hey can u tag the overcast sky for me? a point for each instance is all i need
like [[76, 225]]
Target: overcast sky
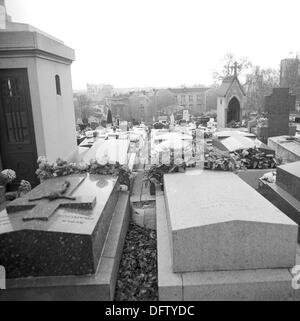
[[163, 43]]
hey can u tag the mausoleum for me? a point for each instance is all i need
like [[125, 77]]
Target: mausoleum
[[36, 98], [230, 101]]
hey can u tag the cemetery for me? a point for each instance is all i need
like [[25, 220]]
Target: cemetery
[[139, 212]]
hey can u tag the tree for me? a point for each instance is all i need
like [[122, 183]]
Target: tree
[[162, 100], [289, 75], [82, 105], [259, 84], [227, 64], [109, 117]]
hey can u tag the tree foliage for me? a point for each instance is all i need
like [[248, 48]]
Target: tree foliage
[[289, 75], [227, 64], [259, 83]]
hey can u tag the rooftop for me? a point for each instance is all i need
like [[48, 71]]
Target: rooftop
[[188, 90]]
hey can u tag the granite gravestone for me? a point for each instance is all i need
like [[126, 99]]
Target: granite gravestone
[[278, 106], [218, 239], [284, 193], [43, 204], [223, 228], [59, 237]]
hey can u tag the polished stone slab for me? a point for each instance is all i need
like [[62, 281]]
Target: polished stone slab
[[288, 178], [95, 287], [218, 222], [234, 285], [69, 243], [283, 200]]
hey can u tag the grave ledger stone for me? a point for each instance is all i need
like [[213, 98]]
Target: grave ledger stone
[[65, 234], [218, 239], [224, 228], [285, 192]]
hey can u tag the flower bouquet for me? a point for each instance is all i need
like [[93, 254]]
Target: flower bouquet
[[6, 177]]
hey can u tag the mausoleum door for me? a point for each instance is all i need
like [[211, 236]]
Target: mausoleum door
[[233, 112], [17, 137]]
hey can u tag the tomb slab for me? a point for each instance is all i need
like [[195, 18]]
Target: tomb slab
[[218, 222], [70, 242]]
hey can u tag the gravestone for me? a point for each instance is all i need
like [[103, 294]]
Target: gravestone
[[42, 204], [288, 178], [278, 107], [287, 148], [219, 231], [67, 247], [50, 239], [218, 239], [285, 192]]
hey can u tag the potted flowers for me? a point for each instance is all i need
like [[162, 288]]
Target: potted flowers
[[6, 177]]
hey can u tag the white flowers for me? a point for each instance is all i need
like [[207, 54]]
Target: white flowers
[[7, 176]]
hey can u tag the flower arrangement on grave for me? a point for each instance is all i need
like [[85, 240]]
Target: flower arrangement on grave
[[253, 158], [61, 167], [7, 176], [216, 159], [156, 173], [24, 188]]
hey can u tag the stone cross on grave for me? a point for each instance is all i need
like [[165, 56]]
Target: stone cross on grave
[[47, 197]]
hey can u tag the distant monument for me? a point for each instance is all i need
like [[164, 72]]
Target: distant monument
[[36, 97], [278, 107], [231, 98]]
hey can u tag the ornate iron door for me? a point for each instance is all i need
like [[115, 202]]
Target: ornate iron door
[[17, 137]]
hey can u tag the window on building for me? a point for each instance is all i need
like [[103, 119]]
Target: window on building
[[199, 97], [183, 99], [57, 83], [142, 111], [191, 98]]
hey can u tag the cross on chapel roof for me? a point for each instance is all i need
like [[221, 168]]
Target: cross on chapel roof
[[235, 68]]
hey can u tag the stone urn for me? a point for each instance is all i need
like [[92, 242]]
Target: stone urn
[[2, 194]]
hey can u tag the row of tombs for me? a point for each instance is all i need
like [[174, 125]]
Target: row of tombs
[[217, 238]]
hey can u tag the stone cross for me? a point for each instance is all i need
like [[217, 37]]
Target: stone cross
[[235, 68], [41, 208]]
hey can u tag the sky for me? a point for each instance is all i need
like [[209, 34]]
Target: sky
[[163, 43]]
